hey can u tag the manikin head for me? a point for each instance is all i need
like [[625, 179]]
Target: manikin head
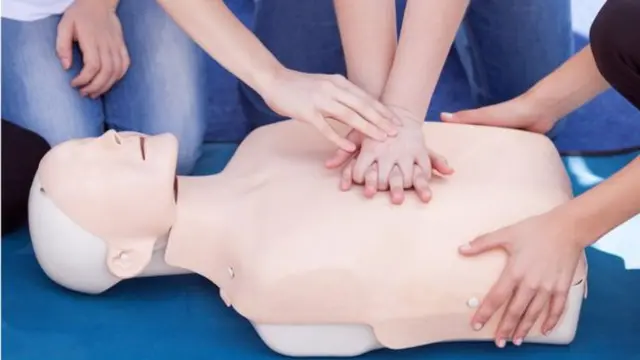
[[112, 196]]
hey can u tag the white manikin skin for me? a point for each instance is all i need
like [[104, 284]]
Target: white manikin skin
[[318, 272]]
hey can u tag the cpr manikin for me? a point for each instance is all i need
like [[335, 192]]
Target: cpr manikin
[[317, 271]]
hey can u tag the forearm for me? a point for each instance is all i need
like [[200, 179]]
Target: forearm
[[428, 30], [607, 205], [369, 38], [570, 86], [216, 29]]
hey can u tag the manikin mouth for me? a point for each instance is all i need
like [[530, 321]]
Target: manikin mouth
[[142, 148], [175, 189]]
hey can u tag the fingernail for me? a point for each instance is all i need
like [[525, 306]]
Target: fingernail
[[447, 115], [477, 326], [547, 332], [517, 341], [501, 343], [465, 247]]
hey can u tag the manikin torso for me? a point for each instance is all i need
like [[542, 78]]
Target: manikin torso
[[301, 259]]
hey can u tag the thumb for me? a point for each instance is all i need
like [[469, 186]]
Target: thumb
[[64, 43], [481, 116], [480, 245], [341, 156]]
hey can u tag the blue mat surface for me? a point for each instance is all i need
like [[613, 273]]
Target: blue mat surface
[[182, 317]]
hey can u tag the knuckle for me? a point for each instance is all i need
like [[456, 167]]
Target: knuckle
[[327, 86], [92, 66]]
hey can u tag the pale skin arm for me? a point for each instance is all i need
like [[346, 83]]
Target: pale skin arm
[[428, 31], [216, 29], [606, 206], [306, 97], [369, 38], [404, 76], [573, 84]]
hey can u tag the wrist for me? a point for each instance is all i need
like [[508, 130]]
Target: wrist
[[262, 79], [405, 112], [108, 4], [541, 106]]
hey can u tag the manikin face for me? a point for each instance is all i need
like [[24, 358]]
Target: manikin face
[[119, 187]]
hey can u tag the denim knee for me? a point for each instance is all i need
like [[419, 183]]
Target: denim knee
[[615, 39], [36, 90]]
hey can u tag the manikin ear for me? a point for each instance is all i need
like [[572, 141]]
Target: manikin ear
[[127, 259]]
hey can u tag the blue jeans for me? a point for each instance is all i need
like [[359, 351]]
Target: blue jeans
[[505, 46], [163, 90]]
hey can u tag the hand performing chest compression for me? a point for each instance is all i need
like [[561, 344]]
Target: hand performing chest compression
[[395, 165]]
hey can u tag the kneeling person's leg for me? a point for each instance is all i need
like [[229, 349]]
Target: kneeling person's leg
[[36, 90]]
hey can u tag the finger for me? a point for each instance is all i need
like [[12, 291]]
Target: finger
[[493, 115], [531, 316], [498, 295], [91, 63], [362, 103], [421, 184], [347, 176], [364, 161], [340, 157], [116, 62], [371, 181], [406, 167], [64, 43], [424, 163], [103, 76], [343, 83], [341, 111], [126, 61], [514, 313], [440, 163], [384, 172], [481, 244], [330, 134], [396, 186], [557, 303]]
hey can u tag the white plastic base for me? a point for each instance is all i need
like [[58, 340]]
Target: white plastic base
[[352, 340]]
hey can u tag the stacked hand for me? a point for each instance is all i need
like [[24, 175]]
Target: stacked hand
[[542, 251], [315, 98], [395, 164], [96, 28]]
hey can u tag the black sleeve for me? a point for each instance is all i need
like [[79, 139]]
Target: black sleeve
[[22, 151], [615, 42]]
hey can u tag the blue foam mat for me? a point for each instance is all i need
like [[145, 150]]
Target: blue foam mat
[[182, 317]]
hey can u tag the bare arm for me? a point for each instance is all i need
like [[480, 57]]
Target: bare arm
[[570, 86], [609, 204], [428, 31], [215, 28], [369, 38]]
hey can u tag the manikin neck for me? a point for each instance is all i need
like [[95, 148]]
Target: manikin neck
[[202, 206], [197, 240]]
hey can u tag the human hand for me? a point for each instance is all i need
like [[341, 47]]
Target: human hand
[[313, 98], [518, 113], [95, 26], [542, 258], [395, 164]]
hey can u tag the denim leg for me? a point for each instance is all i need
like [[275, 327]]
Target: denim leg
[[302, 35], [36, 90], [507, 46], [165, 89]]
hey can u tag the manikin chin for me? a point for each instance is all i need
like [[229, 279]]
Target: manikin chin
[[317, 271]]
